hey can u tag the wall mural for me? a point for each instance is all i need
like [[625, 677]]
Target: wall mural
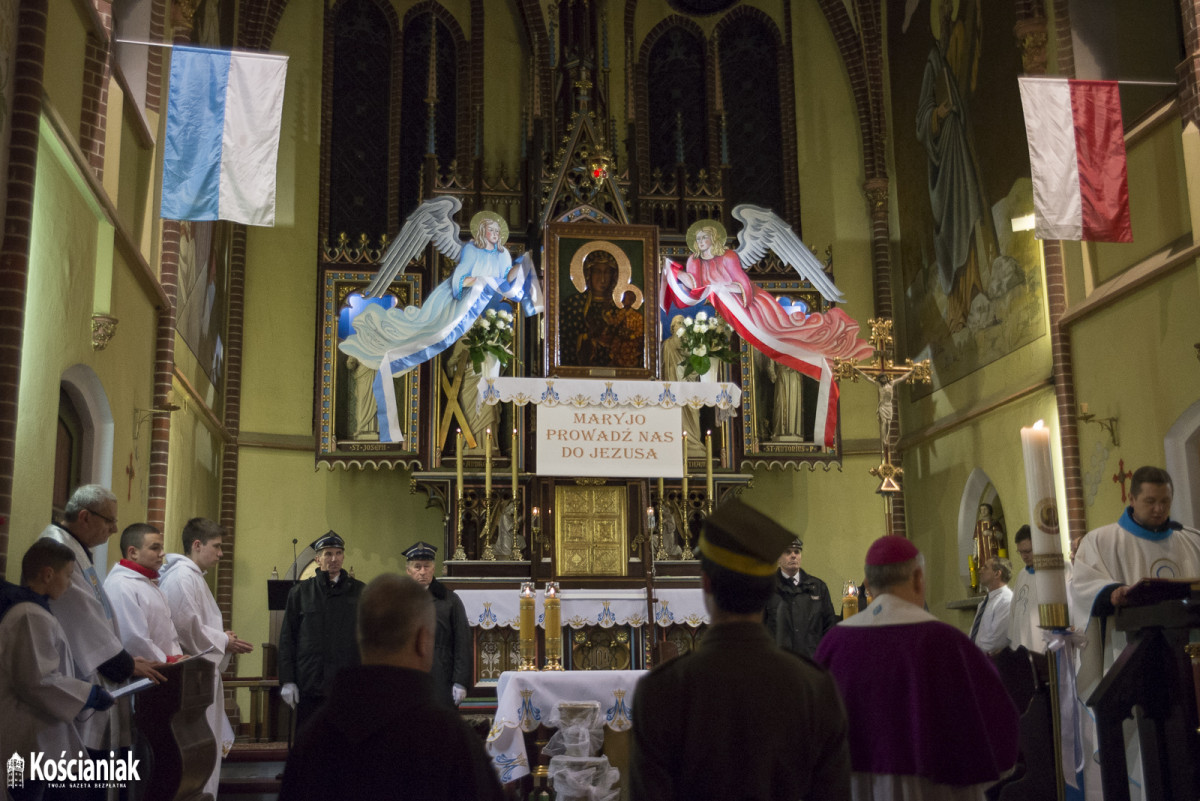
[[205, 250], [971, 269]]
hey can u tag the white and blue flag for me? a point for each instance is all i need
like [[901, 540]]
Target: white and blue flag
[[224, 112]]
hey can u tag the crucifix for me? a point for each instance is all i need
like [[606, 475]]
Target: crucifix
[[1121, 476], [129, 471], [882, 371]]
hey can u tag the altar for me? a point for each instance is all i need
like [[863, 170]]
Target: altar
[[525, 700], [603, 629]]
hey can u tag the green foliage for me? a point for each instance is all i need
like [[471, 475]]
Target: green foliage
[[491, 335], [705, 338]]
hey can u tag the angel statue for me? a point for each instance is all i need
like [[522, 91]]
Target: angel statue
[[786, 334], [400, 339]]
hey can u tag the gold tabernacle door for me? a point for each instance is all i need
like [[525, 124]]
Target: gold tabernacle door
[[591, 531]]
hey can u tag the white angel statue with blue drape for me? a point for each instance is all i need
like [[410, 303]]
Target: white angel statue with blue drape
[[399, 339]]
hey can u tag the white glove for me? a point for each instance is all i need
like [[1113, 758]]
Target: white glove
[[290, 694], [458, 693]]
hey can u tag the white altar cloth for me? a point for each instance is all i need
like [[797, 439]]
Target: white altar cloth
[[488, 609], [525, 699], [581, 392]]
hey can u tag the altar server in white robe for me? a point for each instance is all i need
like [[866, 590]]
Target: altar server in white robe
[[198, 621], [139, 605], [40, 692], [1024, 622], [1144, 543], [86, 615]]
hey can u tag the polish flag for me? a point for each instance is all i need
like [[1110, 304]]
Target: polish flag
[[1077, 155]]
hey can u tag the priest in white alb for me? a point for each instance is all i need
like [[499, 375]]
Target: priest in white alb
[[199, 623], [1144, 543], [138, 604]]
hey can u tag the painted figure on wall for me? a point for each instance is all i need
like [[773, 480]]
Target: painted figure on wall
[[964, 242], [971, 272], [785, 334], [399, 339]]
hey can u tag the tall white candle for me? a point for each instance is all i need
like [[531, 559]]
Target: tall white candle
[[1049, 575]]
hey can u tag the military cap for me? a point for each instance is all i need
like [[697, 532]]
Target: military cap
[[740, 538], [422, 550], [330, 539]]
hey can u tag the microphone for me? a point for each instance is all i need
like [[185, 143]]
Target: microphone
[[1177, 526], [294, 576]]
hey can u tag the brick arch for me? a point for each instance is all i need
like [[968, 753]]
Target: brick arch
[[393, 167], [787, 101], [641, 81], [258, 20]]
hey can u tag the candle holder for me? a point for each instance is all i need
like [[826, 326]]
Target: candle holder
[[489, 508], [459, 554], [553, 624], [535, 527], [527, 633], [685, 530], [660, 554]]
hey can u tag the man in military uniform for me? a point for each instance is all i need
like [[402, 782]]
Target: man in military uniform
[[452, 643], [779, 715], [317, 637], [800, 610]]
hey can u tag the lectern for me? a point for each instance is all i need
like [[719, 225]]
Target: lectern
[[1151, 682], [172, 718]]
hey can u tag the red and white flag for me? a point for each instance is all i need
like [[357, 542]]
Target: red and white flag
[[1077, 155]]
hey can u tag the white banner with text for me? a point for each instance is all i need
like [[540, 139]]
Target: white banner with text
[[598, 441]]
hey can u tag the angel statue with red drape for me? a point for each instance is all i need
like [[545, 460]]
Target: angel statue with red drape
[[790, 335]]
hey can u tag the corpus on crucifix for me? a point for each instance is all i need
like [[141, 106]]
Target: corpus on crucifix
[[886, 375]]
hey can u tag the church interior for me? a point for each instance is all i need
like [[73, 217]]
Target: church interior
[[195, 367]]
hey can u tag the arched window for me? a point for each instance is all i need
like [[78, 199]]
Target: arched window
[[414, 131], [750, 84], [678, 111], [359, 136]]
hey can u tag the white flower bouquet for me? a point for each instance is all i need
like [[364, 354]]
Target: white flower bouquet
[[492, 335], [705, 338]]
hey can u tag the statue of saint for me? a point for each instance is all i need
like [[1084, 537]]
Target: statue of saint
[[480, 416], [787, 415], [674, 360], [362, 419]]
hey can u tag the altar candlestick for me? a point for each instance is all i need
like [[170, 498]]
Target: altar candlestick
[[458, 472], [487, 466], [553, 622], [514, 464], [527, 633], [708, 477], [1049, 574], [685, 468], [650, 518], [662, 497]]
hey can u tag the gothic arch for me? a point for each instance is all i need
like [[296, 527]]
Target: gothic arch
[[83, 387], [790, 182], [327, 94], [641, 86], [465, 130]]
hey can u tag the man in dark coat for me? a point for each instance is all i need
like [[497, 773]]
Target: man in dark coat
[[452, 645], [799, 611], [778, 716], [317, 637], [384, 733]]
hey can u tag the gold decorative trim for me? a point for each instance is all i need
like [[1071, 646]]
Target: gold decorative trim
[[104, 328]]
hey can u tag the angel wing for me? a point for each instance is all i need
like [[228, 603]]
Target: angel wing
[[763, 230], [431, 222]]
